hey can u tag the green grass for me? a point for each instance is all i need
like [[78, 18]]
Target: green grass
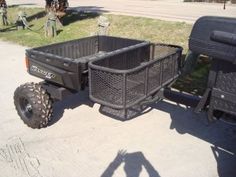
[[195, 83], [81, 25], [86, 24]]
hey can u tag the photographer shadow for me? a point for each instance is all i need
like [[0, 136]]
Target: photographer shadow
[[133, 165]]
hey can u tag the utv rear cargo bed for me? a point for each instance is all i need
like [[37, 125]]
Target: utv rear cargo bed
[[66, 63]]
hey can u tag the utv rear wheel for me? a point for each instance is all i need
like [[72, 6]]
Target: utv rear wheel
[[33, 105]]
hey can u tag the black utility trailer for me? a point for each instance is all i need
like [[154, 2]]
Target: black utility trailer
[[124, 75]]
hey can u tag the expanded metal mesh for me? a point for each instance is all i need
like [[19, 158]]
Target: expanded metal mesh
[[123, 80]]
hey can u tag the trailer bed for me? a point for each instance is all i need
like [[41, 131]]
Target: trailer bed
[[66, 63]]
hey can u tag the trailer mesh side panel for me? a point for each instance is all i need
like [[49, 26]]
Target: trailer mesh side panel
[[135, 86], [154, 76], [122, 81], [109, 86]]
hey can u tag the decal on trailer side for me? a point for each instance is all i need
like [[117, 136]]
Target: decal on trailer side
[[47, 74]]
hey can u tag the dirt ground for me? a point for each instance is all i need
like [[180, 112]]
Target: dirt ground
[[167, 141]]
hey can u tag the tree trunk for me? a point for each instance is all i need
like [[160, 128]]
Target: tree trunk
[[60, 5], [3, 3]]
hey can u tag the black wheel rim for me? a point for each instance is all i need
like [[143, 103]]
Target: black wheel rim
[[26, 108]]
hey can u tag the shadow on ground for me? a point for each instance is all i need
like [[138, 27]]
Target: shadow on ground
[[133, 163], [221, 135], [36, 16], [12, 25], [71, 102], [226, 162], [8, 28], [18, 5], [80, 13], [94, 9]]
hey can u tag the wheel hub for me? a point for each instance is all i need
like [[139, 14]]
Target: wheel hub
[[26, 108]]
